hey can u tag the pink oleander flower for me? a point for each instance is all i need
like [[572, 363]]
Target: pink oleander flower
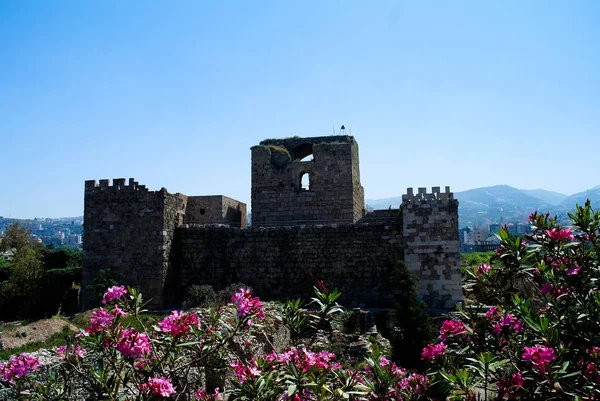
[[179, 323], [133, 344], [594, 352], [452, 328], [546, 288], [483, 270], [243, 372], [539, 356], [322, 286], [160, 386], [75, 351], [304, 360], [591, 369], [18, 367], [114, 293], [560, 235], [517, 379], [100, 320], [508, 321], [246, 305], [416, 383], [203, 396], [433, 351], [493, 314]]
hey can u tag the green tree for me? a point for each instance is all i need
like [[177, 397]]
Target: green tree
[[20, 292]]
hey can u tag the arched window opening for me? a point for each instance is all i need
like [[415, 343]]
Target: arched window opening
[[303, 152], [305, 182]]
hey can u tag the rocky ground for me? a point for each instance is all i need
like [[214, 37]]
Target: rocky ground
[[18, 334]]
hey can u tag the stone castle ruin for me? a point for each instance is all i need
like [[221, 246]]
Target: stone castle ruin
[[308, 223]]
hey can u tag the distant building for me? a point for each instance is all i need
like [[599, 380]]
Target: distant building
[[478, 235]]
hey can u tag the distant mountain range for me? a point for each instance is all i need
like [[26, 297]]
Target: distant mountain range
[[503, 203]]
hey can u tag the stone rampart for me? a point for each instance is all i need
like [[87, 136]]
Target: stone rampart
[[304, 231], [285, 262]]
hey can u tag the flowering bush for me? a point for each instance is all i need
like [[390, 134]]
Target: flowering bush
[[540, 341], [113, 362]]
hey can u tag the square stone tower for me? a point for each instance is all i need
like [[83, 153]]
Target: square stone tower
[[291, 188]]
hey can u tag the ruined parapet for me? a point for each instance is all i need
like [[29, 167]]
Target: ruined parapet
[[431, 244], [128, 232], [288, 189]]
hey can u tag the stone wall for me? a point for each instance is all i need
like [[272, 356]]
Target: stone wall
[[431, 244], [216, 210], [285, 262], [129, 231], [162, 243], [333, 196]]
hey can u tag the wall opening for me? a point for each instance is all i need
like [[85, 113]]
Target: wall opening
[[202, 211], [305, 182], [303, 152]]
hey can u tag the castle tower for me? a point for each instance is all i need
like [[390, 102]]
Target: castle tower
[[431, 244], [128, 233], [289, 188]]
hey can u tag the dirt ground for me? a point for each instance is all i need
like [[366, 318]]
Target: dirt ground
[[19, 335]]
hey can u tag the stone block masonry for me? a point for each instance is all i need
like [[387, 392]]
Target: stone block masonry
[[288, 189], [285, 262], [431, 244], [129, 231], [303, 231]]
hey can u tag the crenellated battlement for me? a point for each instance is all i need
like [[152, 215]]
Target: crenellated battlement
[[162, 243], [118, 184], [422, 195]]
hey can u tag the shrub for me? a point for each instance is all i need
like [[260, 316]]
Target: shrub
[[411, 328], [200, 296], [536, 345]]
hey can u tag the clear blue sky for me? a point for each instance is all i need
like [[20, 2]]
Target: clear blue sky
[[174, 93]]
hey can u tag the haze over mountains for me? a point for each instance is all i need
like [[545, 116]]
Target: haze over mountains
[[503, 203]]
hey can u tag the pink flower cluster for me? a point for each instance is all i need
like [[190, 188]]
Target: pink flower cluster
[[452, 328], [539, 356], [178, 323], [100, 320], [511, 384], [246, 305], [548, 288], [18, 367], [114, 293], [133, 344], [560, 235], [573, 270], [414, 382], [483, 270], [243, 372], [159, 386], [433, 351], [201, 395], [501, 322], [75, 351], [304, 360]]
